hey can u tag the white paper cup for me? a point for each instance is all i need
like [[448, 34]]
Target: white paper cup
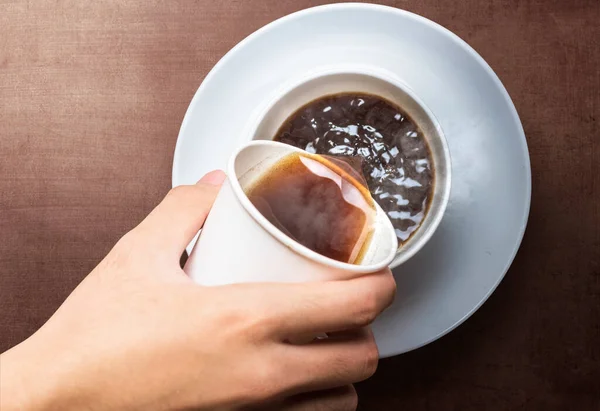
[[238, 244]]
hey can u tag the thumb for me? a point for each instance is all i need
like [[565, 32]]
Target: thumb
[[176, 220]]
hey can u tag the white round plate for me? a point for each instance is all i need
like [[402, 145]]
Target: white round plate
[[491, 179]]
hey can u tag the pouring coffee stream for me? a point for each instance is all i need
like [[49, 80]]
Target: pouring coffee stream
[[318, 201]]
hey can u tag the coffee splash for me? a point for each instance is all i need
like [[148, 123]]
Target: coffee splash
[[397, 162]]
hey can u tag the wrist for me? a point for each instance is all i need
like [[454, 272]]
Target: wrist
[[30, 379]]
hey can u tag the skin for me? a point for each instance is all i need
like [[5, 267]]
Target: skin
[[138, 334]]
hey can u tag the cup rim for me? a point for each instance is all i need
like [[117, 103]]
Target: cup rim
[[293, 245], [404, 252]]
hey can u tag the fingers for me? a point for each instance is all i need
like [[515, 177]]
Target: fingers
[[334, 362], [336, 399], [176, 220], [313, 308]]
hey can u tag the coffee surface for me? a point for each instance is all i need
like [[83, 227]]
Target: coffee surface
[[315, 206], [396, 160]]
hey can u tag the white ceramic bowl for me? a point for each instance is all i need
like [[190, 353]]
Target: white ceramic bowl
[[268, 118], [465, 260]]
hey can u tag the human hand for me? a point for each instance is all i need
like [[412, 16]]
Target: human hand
[[138, 334]]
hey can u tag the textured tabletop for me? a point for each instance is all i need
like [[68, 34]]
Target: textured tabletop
[[92, 95]]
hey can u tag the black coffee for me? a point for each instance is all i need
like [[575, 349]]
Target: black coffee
[[396, 163], [317, 204]]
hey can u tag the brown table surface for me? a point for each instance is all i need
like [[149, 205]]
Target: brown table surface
[[92, 95]]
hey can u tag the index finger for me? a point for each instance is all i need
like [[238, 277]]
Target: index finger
[[180, 215]]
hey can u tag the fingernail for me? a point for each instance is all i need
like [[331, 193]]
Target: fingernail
[[214, 178]]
